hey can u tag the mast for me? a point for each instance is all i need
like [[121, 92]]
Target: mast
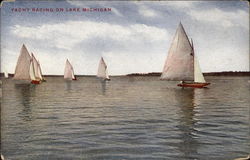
[[192, 45], [192, 53]]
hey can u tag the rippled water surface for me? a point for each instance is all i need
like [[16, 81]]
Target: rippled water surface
[[126, 118]]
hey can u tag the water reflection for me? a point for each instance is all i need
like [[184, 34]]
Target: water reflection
[[145, 119], [189, 144], [68, 85], [24, 93], [103, 87]]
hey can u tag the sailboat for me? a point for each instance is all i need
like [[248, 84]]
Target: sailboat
[[25, 70], [69, 71], [102, 70], [37, 69], [182, 64]]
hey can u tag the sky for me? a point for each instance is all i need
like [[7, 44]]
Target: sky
[[133, 37]]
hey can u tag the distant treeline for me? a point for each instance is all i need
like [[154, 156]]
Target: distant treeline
[[227, 73], [145, 74]]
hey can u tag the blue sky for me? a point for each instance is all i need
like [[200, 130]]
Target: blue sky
[[134, 37]]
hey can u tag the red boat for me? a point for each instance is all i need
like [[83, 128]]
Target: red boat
[[35, 82], [194, 85]]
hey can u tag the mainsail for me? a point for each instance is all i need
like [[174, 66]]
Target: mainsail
[[68, 71], [102, 70], [179, 64], [23, 67]]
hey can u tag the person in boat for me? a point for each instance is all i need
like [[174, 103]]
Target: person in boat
[[182, 84]]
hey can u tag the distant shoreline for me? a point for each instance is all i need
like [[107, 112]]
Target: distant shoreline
[[226, 73]]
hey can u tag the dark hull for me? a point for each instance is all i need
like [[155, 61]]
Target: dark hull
[[193, 85]]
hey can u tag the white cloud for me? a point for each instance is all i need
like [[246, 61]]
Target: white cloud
[[222, 18], [76, 3], [67, 35], [217, 58], [132, 43], [133, 47], [146, 11], [179, 4], [114, 10]]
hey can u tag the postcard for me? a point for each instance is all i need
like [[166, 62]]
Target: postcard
[[124, 80]]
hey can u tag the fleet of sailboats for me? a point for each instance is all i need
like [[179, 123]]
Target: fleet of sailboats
[[181, 63], [69, 71], [102, 71], [27, 68]]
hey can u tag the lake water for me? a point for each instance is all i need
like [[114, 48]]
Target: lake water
[[139, 118]]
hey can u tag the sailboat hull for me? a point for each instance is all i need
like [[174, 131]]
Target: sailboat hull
[[193, 85], [35, 82]]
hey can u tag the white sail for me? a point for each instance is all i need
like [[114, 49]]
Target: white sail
[[22, 71], [36, 67], [107, 75], [40, 75], [68, 71], [6, 75], [179, 64], [32, 71], [198, 76], [102, 70]]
